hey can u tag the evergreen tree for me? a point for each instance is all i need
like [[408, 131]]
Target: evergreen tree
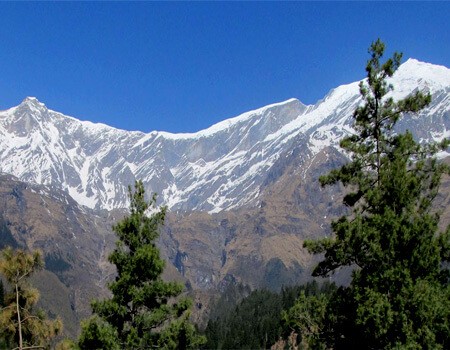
[[262, 318], [399, 296], [21, 327], [142, 312], [306, 319]]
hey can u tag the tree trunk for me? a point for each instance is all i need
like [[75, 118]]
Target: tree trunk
[[19, 321]]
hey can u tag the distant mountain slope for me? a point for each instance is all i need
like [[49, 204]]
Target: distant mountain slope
[[223, 167], [73, 241]]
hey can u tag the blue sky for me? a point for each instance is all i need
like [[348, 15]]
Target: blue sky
[[181, 67]]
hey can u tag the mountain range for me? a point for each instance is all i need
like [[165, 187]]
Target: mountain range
[[220, 168], [242, 195]]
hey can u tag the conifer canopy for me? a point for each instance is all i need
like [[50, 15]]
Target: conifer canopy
[[144, 311], [399, 296]]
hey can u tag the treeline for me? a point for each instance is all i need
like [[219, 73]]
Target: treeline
[[260, 319]]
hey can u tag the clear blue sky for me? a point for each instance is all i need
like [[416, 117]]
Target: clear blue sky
[[181, 67]]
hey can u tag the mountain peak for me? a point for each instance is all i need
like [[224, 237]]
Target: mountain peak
[[418, 71], [33, 103], [31, 99], [412, 62]]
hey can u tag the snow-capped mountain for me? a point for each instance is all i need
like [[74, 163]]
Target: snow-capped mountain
[[222, 167]]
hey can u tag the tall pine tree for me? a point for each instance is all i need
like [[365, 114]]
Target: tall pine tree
[[399, 296], [144, 311]]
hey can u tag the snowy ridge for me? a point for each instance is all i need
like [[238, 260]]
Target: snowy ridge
[[219, 168]]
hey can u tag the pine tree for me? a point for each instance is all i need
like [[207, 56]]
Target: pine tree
[[21, 326], [144, 311], [399, 296], [306, 318]]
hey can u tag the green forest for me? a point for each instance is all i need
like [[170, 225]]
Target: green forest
[[398, 296]]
